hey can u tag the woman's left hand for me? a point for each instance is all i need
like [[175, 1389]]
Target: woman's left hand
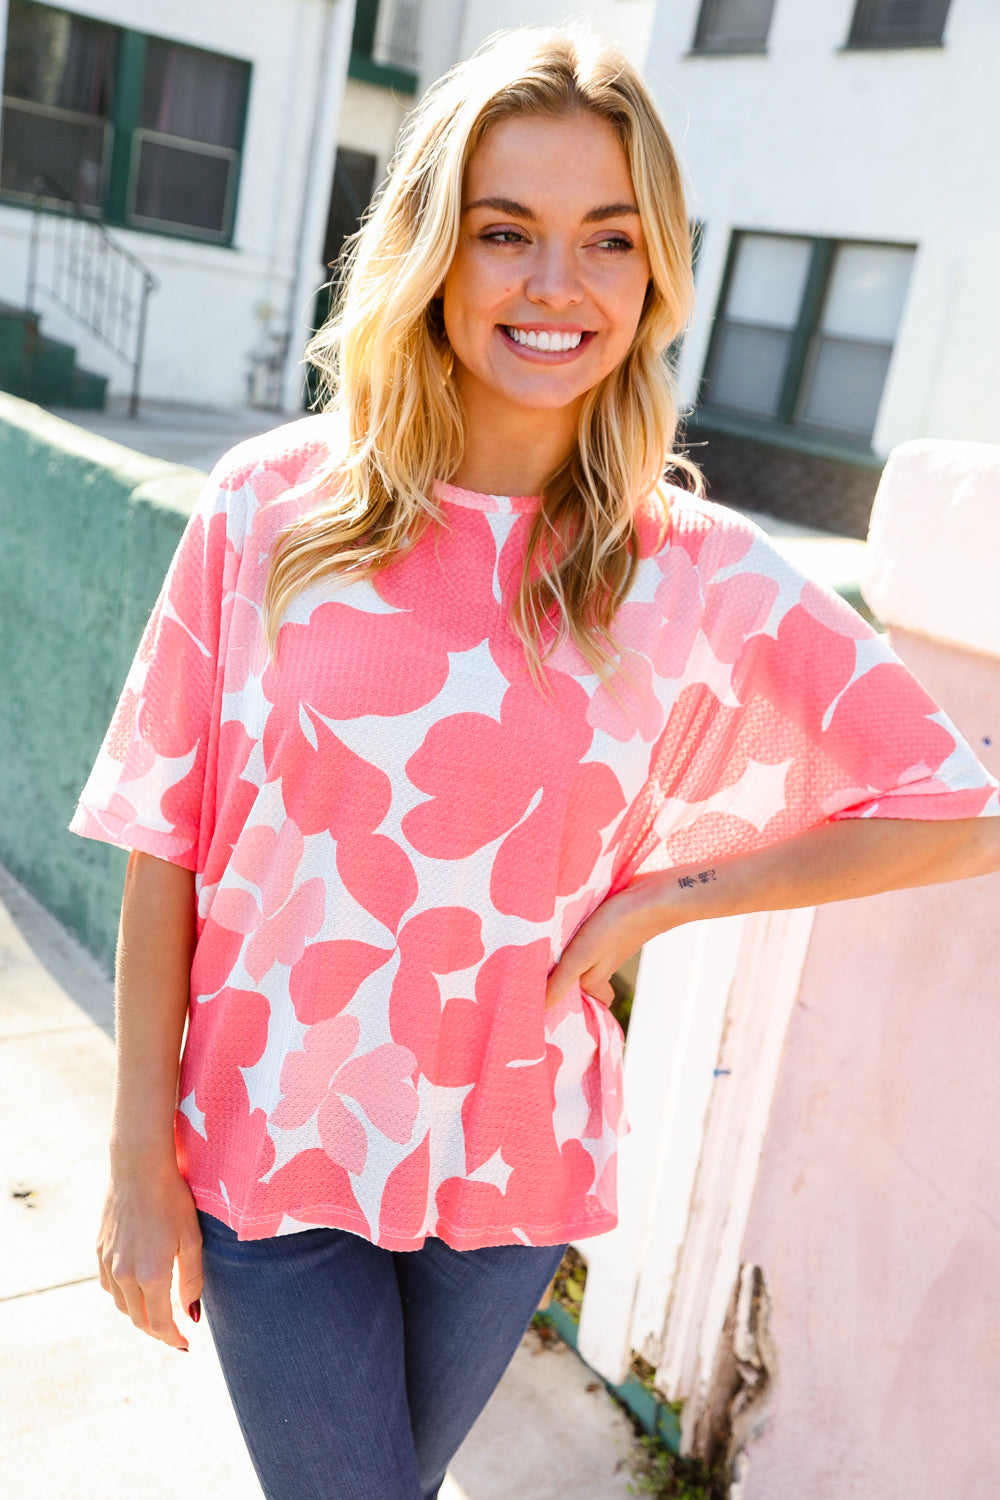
[[835, 862], [616, 930]]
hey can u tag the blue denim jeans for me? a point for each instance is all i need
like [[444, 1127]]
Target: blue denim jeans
[[356, 1372]]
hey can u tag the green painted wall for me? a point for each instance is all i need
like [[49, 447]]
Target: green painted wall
[[87, 531]]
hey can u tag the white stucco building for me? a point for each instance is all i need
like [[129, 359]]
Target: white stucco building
[[841, 161], [203, 137]]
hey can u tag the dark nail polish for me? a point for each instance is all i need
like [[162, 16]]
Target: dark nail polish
[[194, 1311]]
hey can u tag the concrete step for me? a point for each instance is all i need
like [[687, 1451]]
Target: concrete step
[[89, 391], [44, 369]]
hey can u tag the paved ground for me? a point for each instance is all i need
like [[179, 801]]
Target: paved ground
[[90, 1409], [193, 435]]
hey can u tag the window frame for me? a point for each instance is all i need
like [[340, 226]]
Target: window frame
[[363, 64], [783, 428], [124, 135], [858, 41], [137, 220], [702, 48], [69, 116]]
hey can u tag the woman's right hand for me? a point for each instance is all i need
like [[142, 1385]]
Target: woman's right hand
[[149, 1218], [149, 1221]]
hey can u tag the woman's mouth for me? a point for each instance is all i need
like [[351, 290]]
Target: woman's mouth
[[545, 340]]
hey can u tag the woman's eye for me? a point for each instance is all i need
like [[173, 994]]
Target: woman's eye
[[615, 242], [503, 236]]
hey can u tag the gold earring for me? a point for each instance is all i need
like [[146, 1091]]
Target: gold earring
[[448, 362]]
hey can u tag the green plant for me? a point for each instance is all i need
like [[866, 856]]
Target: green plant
[[660, 1473], [569, 1283], [621, 1007], [644, 1372]]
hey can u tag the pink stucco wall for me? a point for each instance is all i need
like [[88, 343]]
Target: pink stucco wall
[[876, 1215]]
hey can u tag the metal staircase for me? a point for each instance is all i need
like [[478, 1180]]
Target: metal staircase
[[76, 264]]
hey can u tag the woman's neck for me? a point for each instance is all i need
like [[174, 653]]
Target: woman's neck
[[512, 451]]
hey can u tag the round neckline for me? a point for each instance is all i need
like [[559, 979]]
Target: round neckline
[[453, 494]]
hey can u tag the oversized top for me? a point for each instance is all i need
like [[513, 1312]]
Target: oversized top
[[395, 833]]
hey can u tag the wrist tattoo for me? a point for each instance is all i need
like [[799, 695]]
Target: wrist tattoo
[[702, 878]]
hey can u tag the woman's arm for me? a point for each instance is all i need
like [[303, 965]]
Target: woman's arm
[[855, 857], [149, 1215]]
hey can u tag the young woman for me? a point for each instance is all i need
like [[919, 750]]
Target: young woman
[[449, 704]]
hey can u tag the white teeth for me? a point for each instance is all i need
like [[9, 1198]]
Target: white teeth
[[559, 342]]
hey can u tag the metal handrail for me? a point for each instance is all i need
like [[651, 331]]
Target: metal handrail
[[95, 279]]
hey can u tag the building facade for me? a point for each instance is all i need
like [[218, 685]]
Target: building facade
[[839, 158], [202, 137]]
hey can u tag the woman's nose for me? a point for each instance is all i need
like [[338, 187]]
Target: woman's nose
[[554, 278]]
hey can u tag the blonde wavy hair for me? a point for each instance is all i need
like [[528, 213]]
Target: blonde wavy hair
[[385, 362]]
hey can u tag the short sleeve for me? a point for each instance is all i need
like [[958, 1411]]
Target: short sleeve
[[145, 791], [792, 712]]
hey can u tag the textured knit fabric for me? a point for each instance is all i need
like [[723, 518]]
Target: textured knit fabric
[[395, 833]]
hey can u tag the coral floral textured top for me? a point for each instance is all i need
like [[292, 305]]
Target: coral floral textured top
[[395, 833]]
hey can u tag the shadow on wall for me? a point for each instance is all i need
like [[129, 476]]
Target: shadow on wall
[[89, 529]]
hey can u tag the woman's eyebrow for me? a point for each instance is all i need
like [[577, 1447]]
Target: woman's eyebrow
[[521, 211], [610, 211], [503, 206]]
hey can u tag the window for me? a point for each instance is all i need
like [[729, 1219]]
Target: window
[[385, 44], [59, 96], [754, 338], [186, 150], [849, 353], [142, 131], [396, 34], [898, 23], [733, 25], [806, 332]]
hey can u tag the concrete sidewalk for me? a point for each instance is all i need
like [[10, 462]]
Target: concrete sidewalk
[[90, 1409], [196, 436]]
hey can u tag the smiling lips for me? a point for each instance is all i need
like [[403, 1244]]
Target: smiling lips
[[546, 340]]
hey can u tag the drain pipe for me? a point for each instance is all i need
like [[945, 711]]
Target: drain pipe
[[4, 8], [334, 53]]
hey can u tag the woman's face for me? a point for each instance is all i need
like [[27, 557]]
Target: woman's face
[[546, 289]]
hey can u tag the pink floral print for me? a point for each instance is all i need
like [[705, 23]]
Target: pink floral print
[[278, 923], [320, 1078], [394, 833]]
